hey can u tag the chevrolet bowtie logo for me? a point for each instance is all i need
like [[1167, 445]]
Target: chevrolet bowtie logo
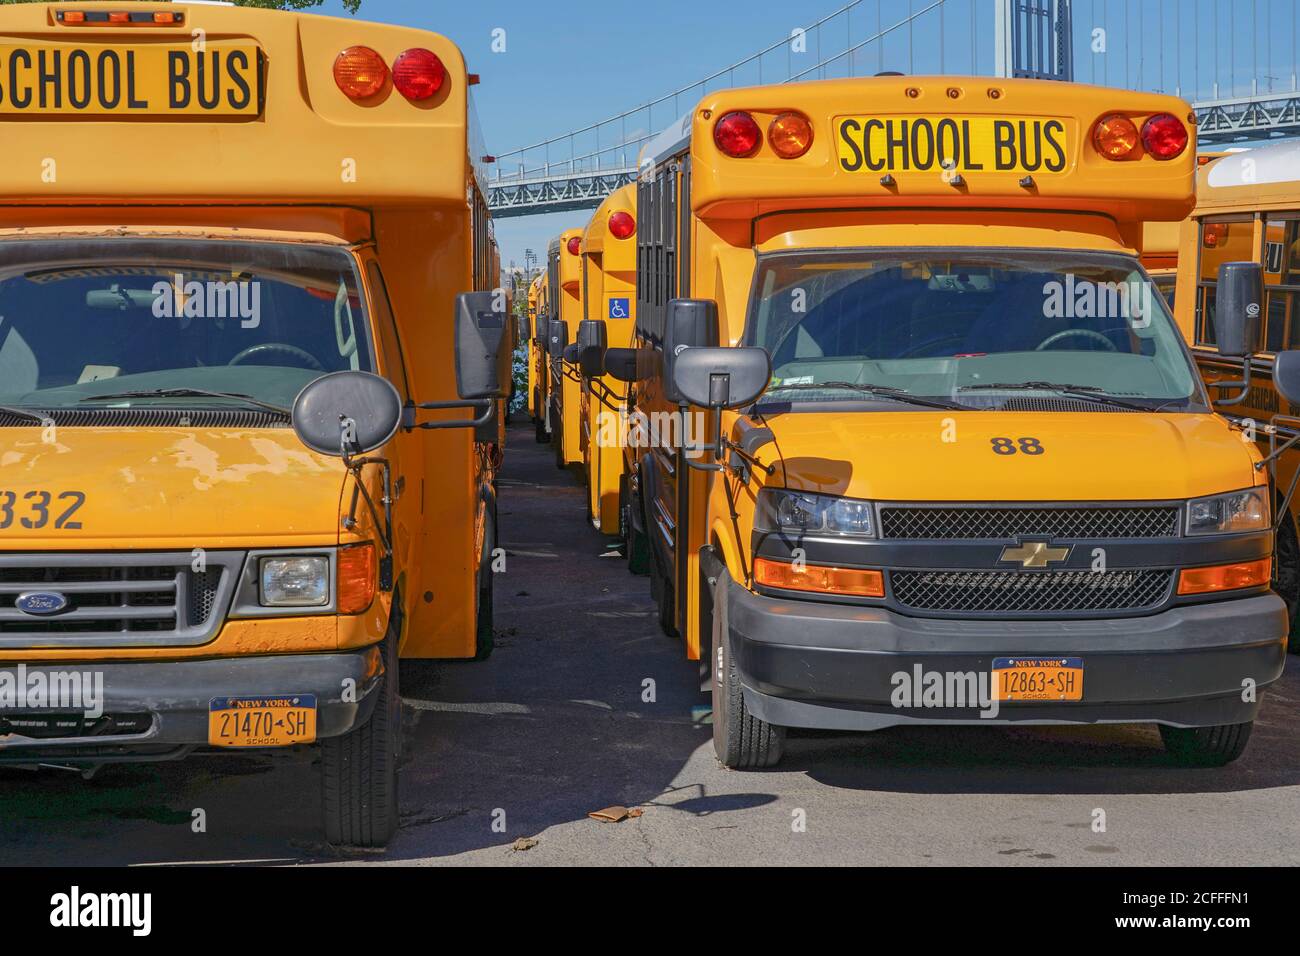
[[1034, 554]]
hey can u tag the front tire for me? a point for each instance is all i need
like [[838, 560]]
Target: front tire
[[359, 768], [1214, 746], [635, 546], [740, 740]]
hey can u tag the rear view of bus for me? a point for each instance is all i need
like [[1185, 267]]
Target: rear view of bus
[[609, 292], [564, 282], [941, 453], [249, 430]]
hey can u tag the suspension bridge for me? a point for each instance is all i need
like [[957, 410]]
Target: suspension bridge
[[1239, 71]]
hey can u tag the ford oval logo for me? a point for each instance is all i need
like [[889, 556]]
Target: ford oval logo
[[41, 603]]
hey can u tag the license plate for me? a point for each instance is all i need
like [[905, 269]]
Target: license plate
[[1038, 678], [953, 144], [262, 721], [155, 80]]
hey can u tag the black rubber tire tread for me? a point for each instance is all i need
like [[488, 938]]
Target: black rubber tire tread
[[1213, 746], [359, 768], [740, 740]]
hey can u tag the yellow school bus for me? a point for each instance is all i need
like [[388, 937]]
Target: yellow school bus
[[564, 281], [1160, 242], [249, 429], [534, 293], [913, 439], [609, 291], [1248, 210], [539, 364]]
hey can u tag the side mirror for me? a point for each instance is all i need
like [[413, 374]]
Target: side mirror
[[690, 324], [1238, 308], [1286, 375], [521, 329], [593, 343], [482, 356], [721, 377], [571, 353], [621, 364], [557, 338], [347, 413]]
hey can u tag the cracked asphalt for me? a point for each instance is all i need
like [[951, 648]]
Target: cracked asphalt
[[555, 725]]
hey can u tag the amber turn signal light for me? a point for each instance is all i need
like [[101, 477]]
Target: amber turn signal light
[[1225, 577], [852, 582], [1115, 136], [360, 72], [356, 576], [790, 135]]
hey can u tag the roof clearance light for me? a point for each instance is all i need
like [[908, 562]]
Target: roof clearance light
[[418, 74], [164, 18], [737, 135], [621, 225], [790, 135], [72, 16], [1115, 136], [360, 72], [1164, 136], [574, 246]]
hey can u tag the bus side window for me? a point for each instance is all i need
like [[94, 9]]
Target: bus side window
[[1282, 279], [389, 342]]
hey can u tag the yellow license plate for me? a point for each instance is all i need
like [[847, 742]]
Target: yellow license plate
[[262, 721], [1038, 678], [951, 145], [154, 80]]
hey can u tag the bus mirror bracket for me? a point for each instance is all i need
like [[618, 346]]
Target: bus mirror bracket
[[720, 378], [346, 415]]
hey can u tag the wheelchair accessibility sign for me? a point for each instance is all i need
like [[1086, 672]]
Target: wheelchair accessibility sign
[[620, 308]]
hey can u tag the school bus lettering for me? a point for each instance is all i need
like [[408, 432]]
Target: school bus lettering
[[155, 81], [1026, 446], [959, 144]]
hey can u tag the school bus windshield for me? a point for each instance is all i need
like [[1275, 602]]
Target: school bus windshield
[[86, 320], [954, 324]]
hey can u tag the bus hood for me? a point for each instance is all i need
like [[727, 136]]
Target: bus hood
[[954, 456], [162, 488]]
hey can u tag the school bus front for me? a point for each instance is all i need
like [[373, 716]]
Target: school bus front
[[228, 298], [938, 453]]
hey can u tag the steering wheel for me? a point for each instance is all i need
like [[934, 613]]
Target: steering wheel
[[1081, 333], [293, 350]]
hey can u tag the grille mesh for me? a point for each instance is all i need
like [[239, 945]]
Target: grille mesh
[[1031, 591], [1011, 523]]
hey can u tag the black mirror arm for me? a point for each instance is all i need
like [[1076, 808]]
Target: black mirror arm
[[1244, 385], [409, 422], [604, 394]]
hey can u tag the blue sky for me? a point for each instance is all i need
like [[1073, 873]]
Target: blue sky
[[539, 86]]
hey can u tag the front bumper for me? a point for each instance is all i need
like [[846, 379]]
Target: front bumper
[[176, 694], [830, 666]]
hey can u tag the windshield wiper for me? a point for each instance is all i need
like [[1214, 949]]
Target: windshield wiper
[[1090, 393], [20, 412], [192, 393], [881, 391]]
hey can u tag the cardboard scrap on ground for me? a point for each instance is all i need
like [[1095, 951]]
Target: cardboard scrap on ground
[[616, 814]]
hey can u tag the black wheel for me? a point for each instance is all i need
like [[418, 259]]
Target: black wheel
[[740, 740], [557, 439], [1287, 585], [539, 431], [359, 768], [665, 599], [484, 636], [635, 546], [1206, 746]]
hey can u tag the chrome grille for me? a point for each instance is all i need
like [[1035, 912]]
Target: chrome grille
[[999, 524], [127, 599], [1021, 592]]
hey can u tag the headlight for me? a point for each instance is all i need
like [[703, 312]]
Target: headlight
[[1224, 514], [295, 581], [801, 512]]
